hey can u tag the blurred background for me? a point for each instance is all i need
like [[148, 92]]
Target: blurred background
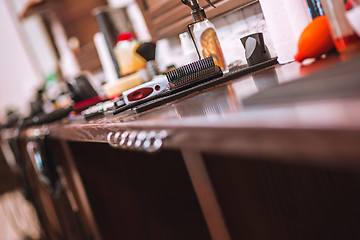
[[45, 41], [45, 44], [49, 48], [32, 45]]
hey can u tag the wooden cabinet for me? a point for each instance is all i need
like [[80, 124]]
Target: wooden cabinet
[[224, 170], [166, 18], [138, 196], [192, 194]]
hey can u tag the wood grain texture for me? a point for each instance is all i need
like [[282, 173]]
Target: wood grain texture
[[137, 195], [272, 171], [313, 132], [167, 18], [77, 19], [206, 195], [271, 201], [41, 198], [77, 190]]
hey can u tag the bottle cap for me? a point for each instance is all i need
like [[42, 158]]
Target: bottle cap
[[126, 36], [198, 14]]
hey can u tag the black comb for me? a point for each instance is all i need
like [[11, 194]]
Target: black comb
[[198, 71]]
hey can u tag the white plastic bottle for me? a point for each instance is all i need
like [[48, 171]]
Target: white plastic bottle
[[125, 51], [188, 48]]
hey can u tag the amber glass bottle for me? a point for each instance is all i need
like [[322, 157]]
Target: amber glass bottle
[[205, 35]]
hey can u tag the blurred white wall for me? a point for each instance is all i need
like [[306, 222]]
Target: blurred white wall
[[40, 43], [19, 74], [6, 230]]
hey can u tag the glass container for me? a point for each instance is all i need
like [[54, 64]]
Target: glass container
[[344, 37]]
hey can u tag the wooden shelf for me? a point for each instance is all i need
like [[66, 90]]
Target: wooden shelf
[[167, 18]]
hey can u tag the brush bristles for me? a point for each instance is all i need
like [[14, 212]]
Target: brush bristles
[[193, 72]]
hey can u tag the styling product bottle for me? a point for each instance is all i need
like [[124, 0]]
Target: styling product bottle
[[205, 34], [125, 52], [343, 35]]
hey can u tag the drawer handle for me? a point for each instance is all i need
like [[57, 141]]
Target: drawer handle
[[131, 139], [148, 141], [110, 139], [140, 138]]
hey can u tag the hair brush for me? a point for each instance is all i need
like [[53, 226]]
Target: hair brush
[[199, 71], [180, 79]]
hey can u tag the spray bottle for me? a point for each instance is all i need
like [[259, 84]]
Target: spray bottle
[[204, 35]]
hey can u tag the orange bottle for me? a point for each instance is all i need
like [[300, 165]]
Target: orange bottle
[[315, 40]]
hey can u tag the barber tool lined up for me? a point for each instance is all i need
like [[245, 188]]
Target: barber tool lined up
[[173, 82], [176, 84]]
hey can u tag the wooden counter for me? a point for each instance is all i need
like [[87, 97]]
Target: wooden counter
[[270, 155], [309, 111]]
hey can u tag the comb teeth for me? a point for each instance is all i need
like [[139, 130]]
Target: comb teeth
[[203, 69]]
